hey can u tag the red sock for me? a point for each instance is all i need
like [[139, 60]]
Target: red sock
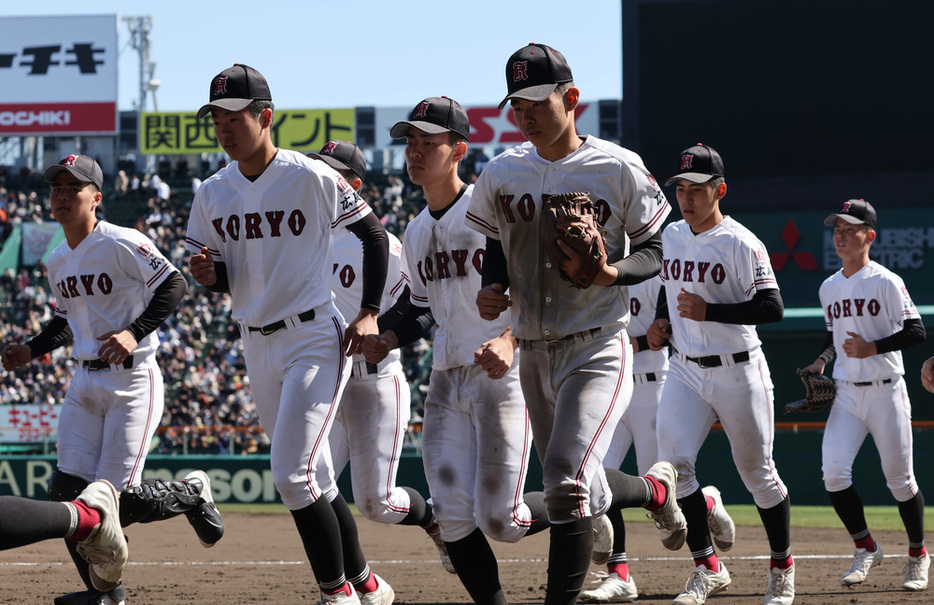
[[918, 552], [782, 563], [712, 563], [710, 503], [346, 589], [868, 543], [659, 493], [88, 519], [620, 569], [369, 586]]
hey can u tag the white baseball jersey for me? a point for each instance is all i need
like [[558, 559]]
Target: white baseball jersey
[[726, 264], [506, 205], [874, 303], [274, 234], [643, 298], [443, 259]]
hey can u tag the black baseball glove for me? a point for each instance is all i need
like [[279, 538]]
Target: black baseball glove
[[820, 391], [569, 217]]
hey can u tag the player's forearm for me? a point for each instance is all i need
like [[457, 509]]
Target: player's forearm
[[765, 307], [911, 334], [394, 314], [416, 323], [644, 262], [57, 333], [375, 259], [164, 301], [830, 352], [494, 269], [222, 284]]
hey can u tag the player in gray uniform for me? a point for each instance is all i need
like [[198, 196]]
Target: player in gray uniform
[[476, 439], [373, 416], [718, 284], [113, 289], [576, 369], [870, 318], [637, 428], [260, 229]]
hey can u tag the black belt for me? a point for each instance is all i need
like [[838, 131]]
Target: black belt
[[278, 325], [715, 361], [371, 368], [94, 365], [650, 377], [872, 382], [593, 332]]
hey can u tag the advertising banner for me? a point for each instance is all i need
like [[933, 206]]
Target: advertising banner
[[28, 423]]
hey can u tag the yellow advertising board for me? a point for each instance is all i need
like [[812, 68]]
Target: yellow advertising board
[[303, 130]]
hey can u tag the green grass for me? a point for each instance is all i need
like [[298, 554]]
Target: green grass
[[879, 518]]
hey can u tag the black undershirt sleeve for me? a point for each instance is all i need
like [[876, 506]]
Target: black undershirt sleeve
[[494, 268], [57, 333], [661, 305], [912, 333], [643, 262], [394, 314], [375, 259], [164, 301], [830, 352], [765, 307], [222, 285], [415, 323]]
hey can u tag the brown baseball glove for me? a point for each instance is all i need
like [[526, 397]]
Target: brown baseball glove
[[569, 217], [820, 391]]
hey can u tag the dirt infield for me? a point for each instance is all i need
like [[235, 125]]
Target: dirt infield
[[260, 560]]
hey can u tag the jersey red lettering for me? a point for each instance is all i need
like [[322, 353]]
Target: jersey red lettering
[[460, 260], [252, 222], [274, 218], [505, 204], [441, 265], [688, 271]]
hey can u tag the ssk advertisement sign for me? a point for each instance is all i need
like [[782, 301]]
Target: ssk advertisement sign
[[58, 75]]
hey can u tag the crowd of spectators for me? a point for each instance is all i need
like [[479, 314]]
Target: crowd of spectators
[[209, 408]]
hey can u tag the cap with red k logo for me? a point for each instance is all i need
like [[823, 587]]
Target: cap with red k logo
[[235, 88], [699, 164], [534, 72]]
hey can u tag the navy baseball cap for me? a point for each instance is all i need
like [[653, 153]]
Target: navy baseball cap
[[81, 167], [855, 212], [435, 115], [342, 155], [235, 88], [534, 72], [699, 164]]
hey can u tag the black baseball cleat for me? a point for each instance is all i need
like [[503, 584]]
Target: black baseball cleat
[[205, 518], [116, 596]]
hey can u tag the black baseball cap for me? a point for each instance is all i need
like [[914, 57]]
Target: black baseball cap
[[235, 88], [81, 167], [699, 164], [435, 115], [534, 72], [855, 212], [342, 155]]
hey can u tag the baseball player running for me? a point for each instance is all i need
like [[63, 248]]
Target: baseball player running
[[717, 285], [476, 438], [870, 318], [113, 289], [637, 428], [254, 226], [371, 422], [576, 370]]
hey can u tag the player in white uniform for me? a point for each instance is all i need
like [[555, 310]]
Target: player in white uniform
[[637, 428], [576, 369], [374, 412], [261, 229], [870, 318], [113, 289], [718, 284], [475, 438]]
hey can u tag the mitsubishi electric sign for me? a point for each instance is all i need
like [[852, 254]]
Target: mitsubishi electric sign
[[58, 75]]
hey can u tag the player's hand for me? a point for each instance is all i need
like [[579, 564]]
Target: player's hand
[[491, 301], [927, 374], [606, 277], [495, 356], [362, 325], [14, 356], [857, 347], [377, 346], [116, 346], [691, 306], [815, 368], [659, 334], [202, 268]]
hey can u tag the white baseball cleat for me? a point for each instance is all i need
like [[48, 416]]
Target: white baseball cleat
[[105, 548], [116, 596], [205, 518], [602, 540], [670, 521], [612, 589], [916, 573], [383, 595], [339, 598], [702, 584], [863, 561], [722, 528], [781, 587], [434, 532]]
